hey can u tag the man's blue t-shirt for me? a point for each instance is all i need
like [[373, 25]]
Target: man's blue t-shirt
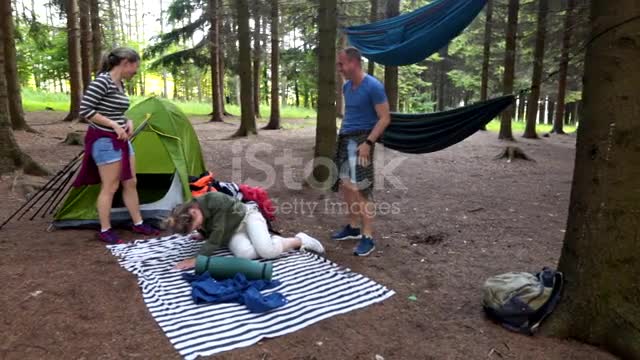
[[359, 104]]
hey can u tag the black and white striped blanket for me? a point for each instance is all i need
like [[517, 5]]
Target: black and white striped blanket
[[315, 288]]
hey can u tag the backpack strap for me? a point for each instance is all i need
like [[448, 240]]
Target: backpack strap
[[545, 310]]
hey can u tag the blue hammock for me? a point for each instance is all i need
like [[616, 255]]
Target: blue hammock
[[412, 37]]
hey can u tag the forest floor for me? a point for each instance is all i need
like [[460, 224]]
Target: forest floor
[[458, 216]]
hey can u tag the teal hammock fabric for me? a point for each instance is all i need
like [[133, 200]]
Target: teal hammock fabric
[[424, 133], [412, 37]]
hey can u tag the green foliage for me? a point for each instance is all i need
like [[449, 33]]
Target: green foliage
[[518, 127], [412, 89], [36, 100], [174, 37], [42, 53]]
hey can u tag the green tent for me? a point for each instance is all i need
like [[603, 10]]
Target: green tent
[[167, 152]]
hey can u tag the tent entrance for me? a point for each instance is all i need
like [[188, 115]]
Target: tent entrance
[[151, 188], [166, 195]]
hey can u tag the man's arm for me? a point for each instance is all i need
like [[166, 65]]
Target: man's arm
[[384, 118]]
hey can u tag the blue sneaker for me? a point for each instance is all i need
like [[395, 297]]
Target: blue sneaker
[[365, 246], [346, 233]]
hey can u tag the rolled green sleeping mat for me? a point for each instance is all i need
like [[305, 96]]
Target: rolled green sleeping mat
[[225, 267]]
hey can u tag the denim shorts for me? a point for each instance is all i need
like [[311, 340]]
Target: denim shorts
[[104, 153], [348, 168]]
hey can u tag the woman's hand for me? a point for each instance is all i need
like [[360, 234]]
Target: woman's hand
[[364, 151], [186, 264], [122, 133], [129, 128], [196, 236]]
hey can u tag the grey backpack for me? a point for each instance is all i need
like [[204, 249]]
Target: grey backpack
[[520, 301]]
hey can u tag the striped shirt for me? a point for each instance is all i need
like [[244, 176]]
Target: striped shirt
[[103, 96]]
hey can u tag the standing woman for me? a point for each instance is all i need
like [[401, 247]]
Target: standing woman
[[108, 155]]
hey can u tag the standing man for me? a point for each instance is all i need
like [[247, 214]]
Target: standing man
[[366, 116]]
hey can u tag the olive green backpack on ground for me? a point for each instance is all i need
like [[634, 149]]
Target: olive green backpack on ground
[[520, 301]]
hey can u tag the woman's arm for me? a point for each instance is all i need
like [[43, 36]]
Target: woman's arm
[[214, 241], [92, 97]]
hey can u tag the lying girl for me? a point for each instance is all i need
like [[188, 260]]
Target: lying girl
[[225, 221]]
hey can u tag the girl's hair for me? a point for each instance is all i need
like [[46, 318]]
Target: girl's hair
[[115, 57], [180, 220]]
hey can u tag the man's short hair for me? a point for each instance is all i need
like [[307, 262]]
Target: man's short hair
[[353, 54]]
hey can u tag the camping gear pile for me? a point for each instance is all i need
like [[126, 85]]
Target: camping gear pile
[[206, 182]]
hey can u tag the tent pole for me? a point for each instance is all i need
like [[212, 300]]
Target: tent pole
[[40, 192], [51, 188], [64, 190]]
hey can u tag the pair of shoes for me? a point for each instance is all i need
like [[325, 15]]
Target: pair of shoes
[[347, 233], [145, 229], [109, 237], [310, 244], [365, 246]]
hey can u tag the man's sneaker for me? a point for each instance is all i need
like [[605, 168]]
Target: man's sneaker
[[109, 237], [145, 229], [365, 246], [346, 233], [310, 244]]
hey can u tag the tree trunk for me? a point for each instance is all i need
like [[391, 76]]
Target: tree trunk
[[75, 60], [174, 77], [274, 119], [10, 69], [11, 157], [264, 68], [484, 83], [136, 22], [550, 111], [221, 83], [373, 16], [187, 85], [391, 72], [86, 41], [342, 41], [257, 52], [96, 34], [564, 65], [247, 118], [443, 66], [285, 93], [521, 107], [119, 9], [509, 68], [601, 254], [143, 74], [326, 108], [129, 27], [568, 108], [214, 43], [296, 92], [199, 81], [112, 25], [486, 53], [538, 58], [165, 88]]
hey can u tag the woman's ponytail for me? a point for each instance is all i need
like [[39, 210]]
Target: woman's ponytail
[[115, 57]]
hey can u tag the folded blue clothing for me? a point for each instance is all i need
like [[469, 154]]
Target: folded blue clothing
[[205, 289]]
